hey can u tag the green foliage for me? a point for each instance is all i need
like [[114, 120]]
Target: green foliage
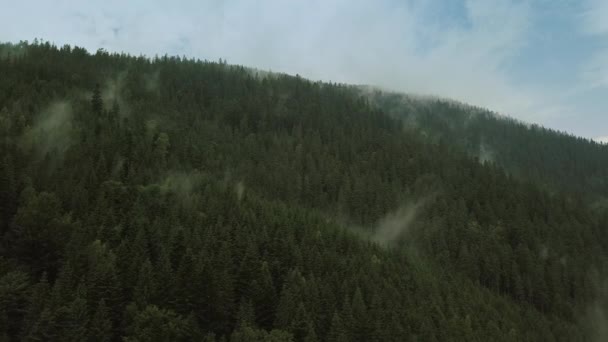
[[13, 301], [101, 326], [248, 334], [192, 200], [153, 324], [556, 160]]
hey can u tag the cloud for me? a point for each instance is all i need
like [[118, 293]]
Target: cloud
[[51, 131], [594, 71], [603, 139], [465, 50], [396, 225]]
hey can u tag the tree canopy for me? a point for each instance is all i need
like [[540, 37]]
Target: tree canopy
[[173, 199]]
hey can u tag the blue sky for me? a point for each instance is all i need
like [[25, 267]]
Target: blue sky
[[539, 61]]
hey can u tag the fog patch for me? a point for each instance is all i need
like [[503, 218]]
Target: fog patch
[[485, 154], [396, 225], [600, 204], [152, 81], [119, 163], [181, 183], [595, 317], [152, 129], [51, 131], [597, 320], [239, 189], [260, 74], [544, 252], [112, 92], [12, 51]]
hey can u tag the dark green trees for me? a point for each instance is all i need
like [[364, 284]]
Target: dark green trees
[[219, 205], [96, 100]]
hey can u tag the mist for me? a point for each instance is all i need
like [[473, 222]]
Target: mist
[[12, 51], [112, 92], [390, 229], [239, 189], [152, 81], [496, 54], [597, 320], [595, 317], [181, 183], [486, 154], [51, 131], [396, 225]]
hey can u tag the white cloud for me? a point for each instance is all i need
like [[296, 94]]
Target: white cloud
[[603, 139], [402, 45], [594, 71], [367, 42]]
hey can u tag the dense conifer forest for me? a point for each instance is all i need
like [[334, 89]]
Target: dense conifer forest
[[173, 199], [554, 160]]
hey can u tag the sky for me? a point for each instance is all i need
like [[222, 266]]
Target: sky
[[543, 61]]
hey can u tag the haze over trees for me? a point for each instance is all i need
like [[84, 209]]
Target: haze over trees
[[555, 160], [173, 199]]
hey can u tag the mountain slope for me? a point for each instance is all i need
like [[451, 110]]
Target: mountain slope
[[181, 198], [559, 161]]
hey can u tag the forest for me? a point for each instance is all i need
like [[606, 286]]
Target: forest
[[554, 160], [174, 199]]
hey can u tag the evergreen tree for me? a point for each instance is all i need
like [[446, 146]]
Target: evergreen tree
[[337, 332], [101, 325], [96, 100], [216, 204]]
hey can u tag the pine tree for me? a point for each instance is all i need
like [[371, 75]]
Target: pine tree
[[38, 301], [248, 270], [8, 192], [13, 298], [154, 324], [361, 319], [119, 252], [96, 101], [37, 232], [4, 327], [289, 300], [102, 280], [145, 289], [264, 295], [101, 326], [161, 149], [301, 325], [44, 329], [72, 320], [337, 331], [163, 274], [246, 315]]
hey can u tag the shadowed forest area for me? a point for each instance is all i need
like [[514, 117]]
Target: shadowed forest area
[[173, 199]]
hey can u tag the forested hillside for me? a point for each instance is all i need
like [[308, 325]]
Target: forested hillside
[[172, 199], [555, 160]]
